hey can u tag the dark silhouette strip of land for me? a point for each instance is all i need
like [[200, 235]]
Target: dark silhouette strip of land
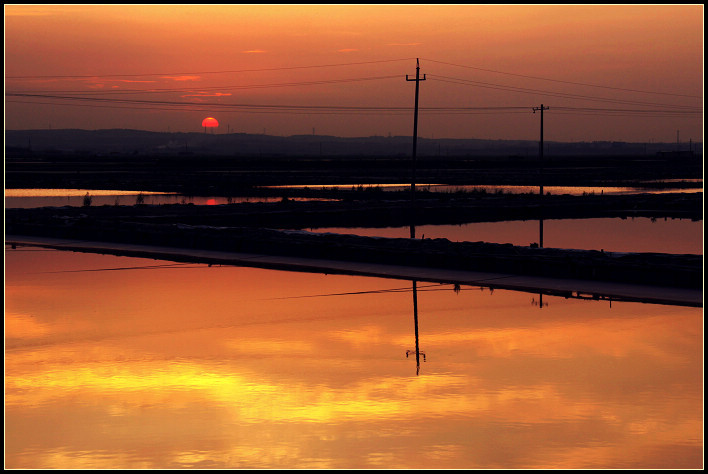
[[562, 287], [202, 227], [267, 228], [387, 209]]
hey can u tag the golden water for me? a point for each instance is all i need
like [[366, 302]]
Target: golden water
[[124, 363]]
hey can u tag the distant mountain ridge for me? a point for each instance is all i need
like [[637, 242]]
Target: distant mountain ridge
[[127, 141]]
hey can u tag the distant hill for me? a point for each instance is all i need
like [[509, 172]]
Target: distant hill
[[138, 142]]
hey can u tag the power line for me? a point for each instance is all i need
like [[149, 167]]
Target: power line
[[448, 79], [212, 88], [330, 109], [622, 112], [488, 85], [213, 104], [282, 68], [566, 82]]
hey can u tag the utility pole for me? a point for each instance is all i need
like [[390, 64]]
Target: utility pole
[[415, 141], [540, 157]]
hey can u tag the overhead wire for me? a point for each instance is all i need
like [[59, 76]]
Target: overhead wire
[[311, 109], [280, 68], [215, 88], [88, 98], [526, 76], [461, 81]]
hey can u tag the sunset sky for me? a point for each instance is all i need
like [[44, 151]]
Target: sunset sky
[[607, 72]]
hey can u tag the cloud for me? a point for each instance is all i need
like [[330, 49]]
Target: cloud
[[254, 51], [403, 44], [214, 94], [182, 78], [96, 84], [347, 50]]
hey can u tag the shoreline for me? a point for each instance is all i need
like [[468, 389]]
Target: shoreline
[[564, 287]]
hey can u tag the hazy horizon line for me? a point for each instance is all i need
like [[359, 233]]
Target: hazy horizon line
[[340, 136]]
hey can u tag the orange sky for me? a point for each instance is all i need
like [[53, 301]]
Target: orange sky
[[645, 58]]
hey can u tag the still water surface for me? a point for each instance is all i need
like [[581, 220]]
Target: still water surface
[[677, 236], [32, 198], [638, 234], [696, 186], [124, 363], [29, 198]]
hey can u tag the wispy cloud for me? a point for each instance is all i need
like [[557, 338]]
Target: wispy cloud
[[182, 78], [213, 94], [403, 44], [254, 51], [347, 50], [94, 83]]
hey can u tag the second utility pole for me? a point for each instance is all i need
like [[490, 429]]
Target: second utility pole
[[415, 141]]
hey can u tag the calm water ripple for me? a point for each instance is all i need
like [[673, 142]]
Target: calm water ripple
[[228, 367]]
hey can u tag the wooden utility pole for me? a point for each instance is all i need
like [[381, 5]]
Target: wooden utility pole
[[415, 141], [540, 175]]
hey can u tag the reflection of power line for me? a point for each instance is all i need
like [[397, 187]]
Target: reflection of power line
[[143, 267], [367, 292]]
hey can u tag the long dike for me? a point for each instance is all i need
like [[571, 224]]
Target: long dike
[[132, 227]]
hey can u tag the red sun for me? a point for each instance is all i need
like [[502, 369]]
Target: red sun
[[210, 122]]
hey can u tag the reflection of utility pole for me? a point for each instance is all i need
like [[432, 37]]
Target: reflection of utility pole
[[540, 174], [415, 323], [540, 302], [415, 140]]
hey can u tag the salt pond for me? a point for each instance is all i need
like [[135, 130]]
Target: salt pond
[[28, 198], [128, 363], [31, 198], [609, 234], [638, 234]]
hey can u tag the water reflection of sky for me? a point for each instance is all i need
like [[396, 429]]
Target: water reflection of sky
[[513, 189], [638, 234], [29, 198], [190, 366], [610, 234]]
